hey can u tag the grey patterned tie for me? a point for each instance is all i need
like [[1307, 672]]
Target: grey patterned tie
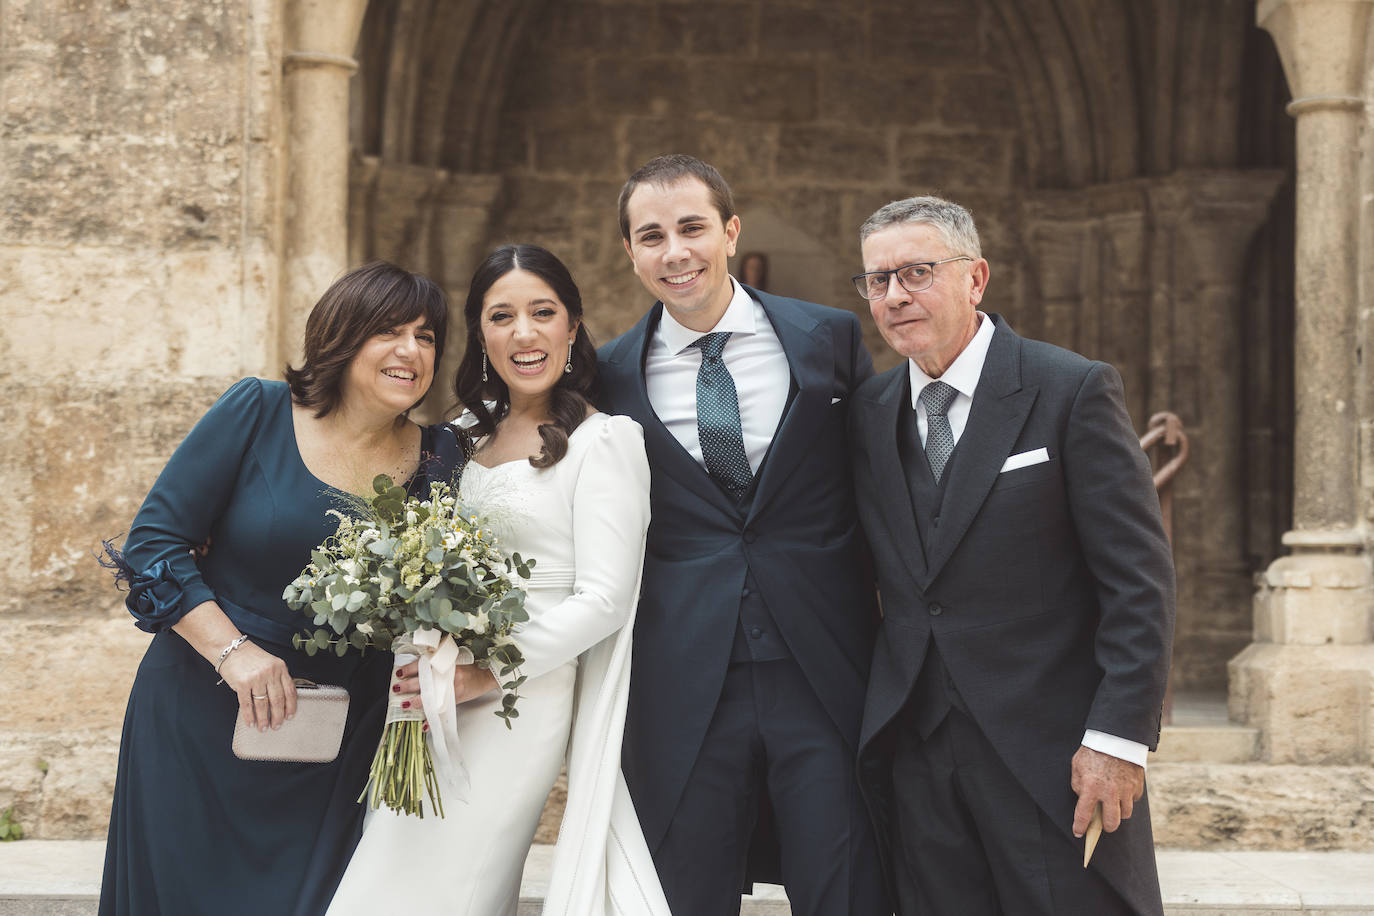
[[718, 423], [937, 396]]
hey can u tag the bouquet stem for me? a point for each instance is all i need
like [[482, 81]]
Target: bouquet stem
[[402, 772]]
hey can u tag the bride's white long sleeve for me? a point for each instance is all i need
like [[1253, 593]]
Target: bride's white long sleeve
[[610, 507]]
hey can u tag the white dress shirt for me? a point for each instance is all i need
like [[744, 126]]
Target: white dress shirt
[[963, 375], [756, 361]]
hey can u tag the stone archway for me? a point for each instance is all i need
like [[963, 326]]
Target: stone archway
[[1107, 149], [1140, 225]]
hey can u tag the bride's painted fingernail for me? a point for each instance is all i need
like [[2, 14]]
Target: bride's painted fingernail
[[395, 688], [398, 673], [405, 704], [425, 727]]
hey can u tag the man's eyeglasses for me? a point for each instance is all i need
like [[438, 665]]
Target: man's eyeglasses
[[914, 278]]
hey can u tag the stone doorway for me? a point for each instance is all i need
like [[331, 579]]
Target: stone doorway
[[1129, 164]]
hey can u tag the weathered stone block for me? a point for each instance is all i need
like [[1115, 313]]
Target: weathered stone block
[[1259, 806], [124, 191], [94, 71], [1312, 704], [874, 97], [1206, 744], [535, 205], [1316, 600], [742, 151], [833, 154], [584, 149], [82, 458], [936, 31], [707, 28], [829, 32], [638, 85], [564, 86], [819, 212], [87, 664], [755, 91], [953, 161], [978, 99]]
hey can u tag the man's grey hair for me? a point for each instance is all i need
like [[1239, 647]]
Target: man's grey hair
[[953, 222]]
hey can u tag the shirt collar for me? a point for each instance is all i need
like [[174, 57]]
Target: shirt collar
[[964, 372], [738, 319]]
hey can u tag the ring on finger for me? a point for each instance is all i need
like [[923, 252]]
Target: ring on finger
[[256, 697]]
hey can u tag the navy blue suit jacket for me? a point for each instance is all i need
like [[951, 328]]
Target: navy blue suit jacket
[[800, 540]]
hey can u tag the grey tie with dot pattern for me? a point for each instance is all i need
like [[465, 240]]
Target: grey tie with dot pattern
[[718, 422], [937, 396]]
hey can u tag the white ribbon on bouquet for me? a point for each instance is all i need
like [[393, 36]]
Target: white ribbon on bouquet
[[438, 657]]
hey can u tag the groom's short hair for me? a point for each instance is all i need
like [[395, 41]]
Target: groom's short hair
[[669, 169], [953, 222]]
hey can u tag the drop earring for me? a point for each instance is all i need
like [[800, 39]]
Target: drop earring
[[568, 368], [484, 365]]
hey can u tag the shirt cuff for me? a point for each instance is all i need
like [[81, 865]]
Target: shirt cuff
[[1130, 751]]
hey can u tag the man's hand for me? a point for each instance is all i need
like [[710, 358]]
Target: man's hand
[[1116, 783]]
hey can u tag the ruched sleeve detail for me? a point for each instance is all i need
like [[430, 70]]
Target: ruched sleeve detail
[[181, 508], [610, 518]]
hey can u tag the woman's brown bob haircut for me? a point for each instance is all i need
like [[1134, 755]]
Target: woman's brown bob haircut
[[365, 301]]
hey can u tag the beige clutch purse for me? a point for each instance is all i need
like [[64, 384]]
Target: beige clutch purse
[[313, 736]]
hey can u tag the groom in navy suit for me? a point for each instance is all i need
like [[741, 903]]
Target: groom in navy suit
[[755, 624]]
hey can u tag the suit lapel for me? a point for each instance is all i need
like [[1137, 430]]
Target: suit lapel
[[624, 374], [889, 476], [1000, 408], [811, 360]]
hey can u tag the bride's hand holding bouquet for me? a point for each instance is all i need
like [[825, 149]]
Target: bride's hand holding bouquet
[[425, 580]]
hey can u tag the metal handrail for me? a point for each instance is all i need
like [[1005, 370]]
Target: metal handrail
[[1166, 430]]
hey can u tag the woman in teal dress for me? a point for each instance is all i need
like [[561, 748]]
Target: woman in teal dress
[[194, 829]]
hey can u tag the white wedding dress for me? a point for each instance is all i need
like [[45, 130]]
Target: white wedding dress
[[583, 521]]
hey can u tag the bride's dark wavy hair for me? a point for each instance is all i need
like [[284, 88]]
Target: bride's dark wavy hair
[[573, 391]]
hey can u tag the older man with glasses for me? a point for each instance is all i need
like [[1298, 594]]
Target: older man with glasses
[[1028, 596]]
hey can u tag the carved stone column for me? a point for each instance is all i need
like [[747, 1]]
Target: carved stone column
[[318, 63], [1306, 681]]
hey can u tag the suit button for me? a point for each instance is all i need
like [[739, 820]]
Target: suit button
[[744, 593], [935, 609], [749, 537], [755, 633]]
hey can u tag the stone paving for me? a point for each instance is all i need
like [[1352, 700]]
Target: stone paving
[[62, 878]]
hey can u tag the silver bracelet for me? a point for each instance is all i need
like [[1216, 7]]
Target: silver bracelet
[[225, 654]]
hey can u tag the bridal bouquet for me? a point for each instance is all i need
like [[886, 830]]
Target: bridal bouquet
[[420, 577]]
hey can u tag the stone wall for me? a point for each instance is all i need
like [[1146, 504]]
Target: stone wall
[[816, 115], [137, 279]]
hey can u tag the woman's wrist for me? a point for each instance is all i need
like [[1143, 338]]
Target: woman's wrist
[[224, 654]]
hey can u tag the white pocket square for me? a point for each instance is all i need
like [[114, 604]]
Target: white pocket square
[[1035, 456], [834, 400]]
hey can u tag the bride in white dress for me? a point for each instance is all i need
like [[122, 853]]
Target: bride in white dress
[[578, 503]]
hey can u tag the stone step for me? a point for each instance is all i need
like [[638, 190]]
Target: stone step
[[1207, 744], [1201, 731], [62, 878]]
